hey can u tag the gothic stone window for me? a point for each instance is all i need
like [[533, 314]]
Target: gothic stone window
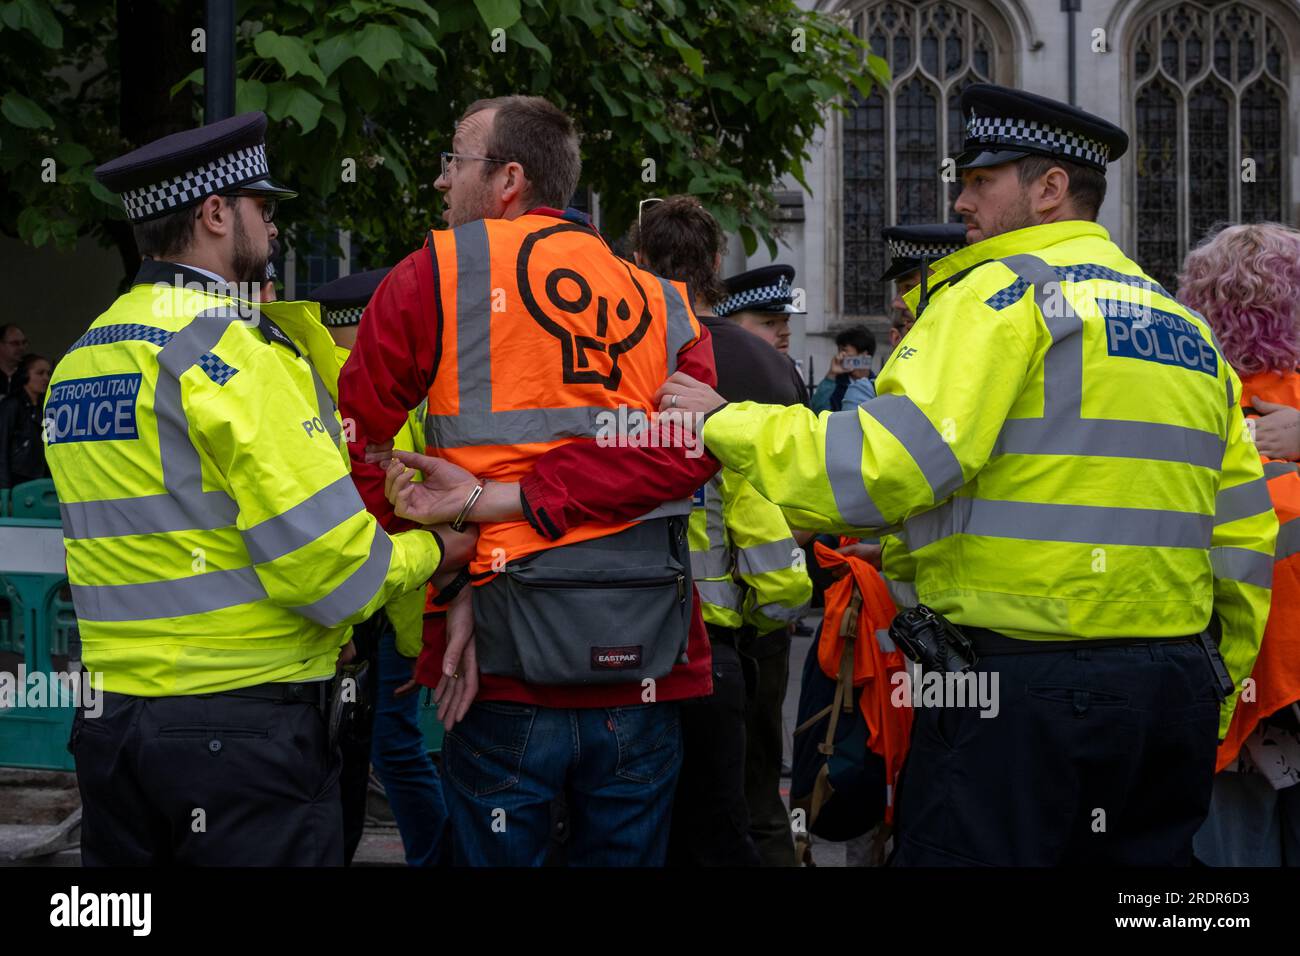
[[1210, 115], [895, 141]]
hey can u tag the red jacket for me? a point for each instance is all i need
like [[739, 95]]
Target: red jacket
[[396, 355]]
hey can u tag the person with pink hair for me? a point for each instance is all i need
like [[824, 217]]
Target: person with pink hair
[[1245, 281]]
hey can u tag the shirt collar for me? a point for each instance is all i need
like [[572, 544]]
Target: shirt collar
[[154, 271]]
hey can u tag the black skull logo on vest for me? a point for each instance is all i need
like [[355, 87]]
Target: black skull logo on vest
[[592, 337]]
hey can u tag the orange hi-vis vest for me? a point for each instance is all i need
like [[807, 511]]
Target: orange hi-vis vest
[[876, 659], [1276, 676], [554, 339]]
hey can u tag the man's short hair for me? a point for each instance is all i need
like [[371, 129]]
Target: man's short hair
[[858, 336], [1087, 185], [167, 236], [678, 239], [535, 133]]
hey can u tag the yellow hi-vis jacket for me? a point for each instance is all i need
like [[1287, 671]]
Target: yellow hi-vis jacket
[[214, 537], [405, 611], [1059, 443], [746, 565]]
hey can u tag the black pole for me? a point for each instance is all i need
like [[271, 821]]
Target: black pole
[[1070, 8], [219, 62]]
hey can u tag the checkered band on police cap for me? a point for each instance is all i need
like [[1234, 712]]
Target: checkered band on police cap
[[337, 317], [908, 249], [1002, 131], [233, 169], [764, 293]]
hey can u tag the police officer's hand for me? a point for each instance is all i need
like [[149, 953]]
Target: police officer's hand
[[1277, 431], [682, 393], [869, 553], [435, 500], [459, 684]]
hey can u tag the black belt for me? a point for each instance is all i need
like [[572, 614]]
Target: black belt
[[723, 635], [315, 692], [992, 643]]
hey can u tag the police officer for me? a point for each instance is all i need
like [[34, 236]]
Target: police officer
[[216, 547], [385, 729], [911, 249], [761, 301], [1059, 441], [743, 560]]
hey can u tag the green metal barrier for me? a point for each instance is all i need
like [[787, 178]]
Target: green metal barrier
[[35, 500], [35, 734]]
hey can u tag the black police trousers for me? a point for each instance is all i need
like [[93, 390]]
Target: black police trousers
[[710, 816], [1101, 756], [209, 780]]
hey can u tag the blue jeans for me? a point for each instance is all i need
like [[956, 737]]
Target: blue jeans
[[403, 766], [617, 767]]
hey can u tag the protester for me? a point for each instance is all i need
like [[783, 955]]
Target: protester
[[1245, 280]]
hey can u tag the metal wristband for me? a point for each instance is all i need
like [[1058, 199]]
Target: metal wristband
[[459, 524]]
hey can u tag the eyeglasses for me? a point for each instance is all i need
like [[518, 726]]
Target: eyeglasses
[[640, 209], [448, 157], [268, 206]]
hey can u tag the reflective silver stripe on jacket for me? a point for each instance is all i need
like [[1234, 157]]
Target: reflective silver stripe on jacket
[[1288, 540], [779, 612], [844, 438], [1081, 524], [724, 594], [717, 561], [357, 588], [182, 597], [772, 556], [1242, 501], [304, 523], [1242, 564]]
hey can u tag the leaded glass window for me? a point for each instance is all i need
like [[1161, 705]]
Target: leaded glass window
[[895, 141], [1210, 115]]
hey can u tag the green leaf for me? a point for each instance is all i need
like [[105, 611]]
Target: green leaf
[[334, 113], [249, 95], [196, 77], [100, 192], [379, 44], [290, 52], [878, 67], [498, 13], [334, 51], [418, 6], [749, 239], [72, 154], [37, 18], [290, 100], [690, 56], [525, 37], [29, 220], [611, 103], [21, 111]]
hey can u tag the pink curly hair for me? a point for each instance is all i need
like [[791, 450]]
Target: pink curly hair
[[1245, 280]]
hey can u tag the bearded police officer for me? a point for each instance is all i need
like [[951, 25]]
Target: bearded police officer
[[911, 250], [216, 547], [1060, 443]]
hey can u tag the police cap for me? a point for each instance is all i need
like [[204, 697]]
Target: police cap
[[765, 289], [343, 300], [907, 245], [1003, 125], [183, 169]]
